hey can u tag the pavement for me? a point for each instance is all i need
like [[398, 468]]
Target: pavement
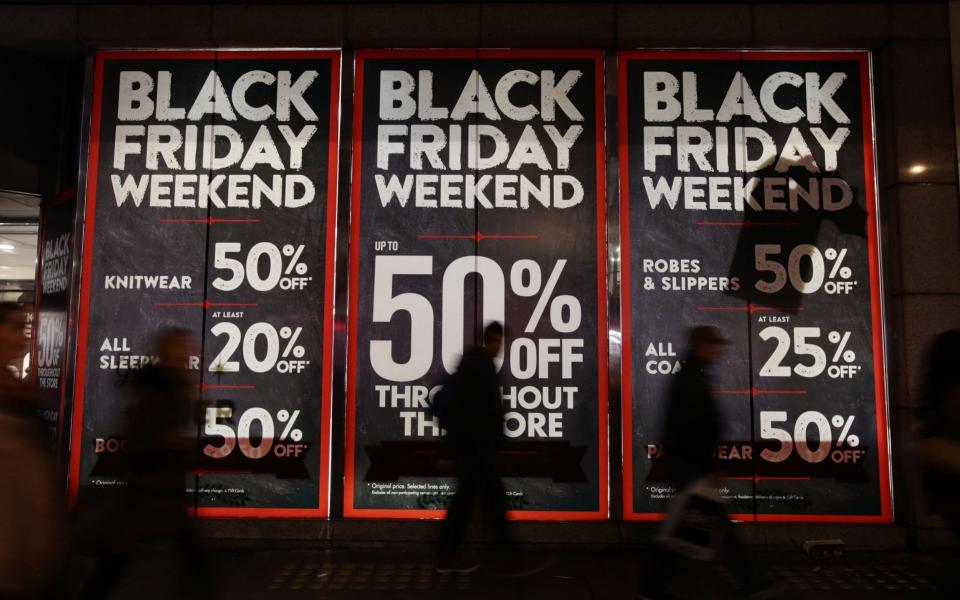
[[408, 572]]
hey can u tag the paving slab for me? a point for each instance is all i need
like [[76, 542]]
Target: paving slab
[[409, 573]]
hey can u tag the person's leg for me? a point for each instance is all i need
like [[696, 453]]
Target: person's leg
[[196, 570], [109, 571], [454, 527], [494, 500], [655, 572], [660, 562], [953, 520], [947, 581], [736, 556]]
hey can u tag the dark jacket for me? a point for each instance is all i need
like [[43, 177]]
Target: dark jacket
[[476, 411], [161, 448], [31, 517], [939, 419], [692, 427]]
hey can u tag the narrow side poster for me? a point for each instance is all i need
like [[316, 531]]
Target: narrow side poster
[[52, 314]]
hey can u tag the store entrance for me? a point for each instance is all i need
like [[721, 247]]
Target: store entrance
[[19, 228]]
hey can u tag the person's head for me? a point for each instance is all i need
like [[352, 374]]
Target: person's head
[[706, 343], [493, 338], [12, 342], [174, 347]]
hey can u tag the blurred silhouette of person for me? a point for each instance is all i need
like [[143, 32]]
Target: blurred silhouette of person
[[938, 440], [939, 428], [474, 436], [692, 429], [789, 229], [31, 507], [159, 450], [691, 434]]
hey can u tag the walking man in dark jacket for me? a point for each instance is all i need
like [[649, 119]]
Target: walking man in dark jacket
[[692, 429], [161, 446], [475, 434], [690, 437]]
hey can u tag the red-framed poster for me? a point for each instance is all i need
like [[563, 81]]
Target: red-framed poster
[[55, 258], [211, 208], [478, 196], [748, 202]]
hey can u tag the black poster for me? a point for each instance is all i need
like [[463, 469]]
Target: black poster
[[211, 206], [478, 196], [748, 203], [53, 306]]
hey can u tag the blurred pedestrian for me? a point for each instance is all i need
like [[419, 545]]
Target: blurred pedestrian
[[690, 436], [31, 506], [160, 448], [938, 442], [474, 422]]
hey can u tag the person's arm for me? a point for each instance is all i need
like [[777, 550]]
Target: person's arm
[[940, 453], [938, 445]]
